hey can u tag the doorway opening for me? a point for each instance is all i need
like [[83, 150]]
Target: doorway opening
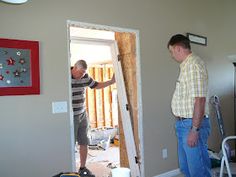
[[107, 147]]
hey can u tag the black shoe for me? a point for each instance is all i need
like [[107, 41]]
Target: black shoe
[[85, 172]]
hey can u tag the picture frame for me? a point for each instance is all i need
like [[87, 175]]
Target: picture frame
[[19, 67], [197, 39]]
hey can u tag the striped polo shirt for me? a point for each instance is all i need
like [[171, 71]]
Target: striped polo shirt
[[192, 82], [78, 92]]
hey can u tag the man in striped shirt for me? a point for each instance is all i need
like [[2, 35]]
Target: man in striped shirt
[[79, 82], [189, 108]]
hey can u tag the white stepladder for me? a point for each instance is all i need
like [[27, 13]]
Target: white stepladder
[[230, 167], [125, 113], [215, 101], [226, 150]]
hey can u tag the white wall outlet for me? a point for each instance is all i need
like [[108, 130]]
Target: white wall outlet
[[59, 107], [164, 153]]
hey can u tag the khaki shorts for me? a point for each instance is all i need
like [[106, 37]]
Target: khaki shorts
[[81, 126]]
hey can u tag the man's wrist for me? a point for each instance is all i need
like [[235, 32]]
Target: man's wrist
[[195, 129]]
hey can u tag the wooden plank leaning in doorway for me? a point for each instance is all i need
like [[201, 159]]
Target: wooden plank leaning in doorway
[[125, 115]]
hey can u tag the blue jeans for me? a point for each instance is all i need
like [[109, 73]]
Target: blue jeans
[[193, 161]]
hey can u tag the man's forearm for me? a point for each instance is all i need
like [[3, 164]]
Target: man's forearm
[[199, 110], [104, 84]]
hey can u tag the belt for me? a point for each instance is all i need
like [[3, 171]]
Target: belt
[[184, 118]]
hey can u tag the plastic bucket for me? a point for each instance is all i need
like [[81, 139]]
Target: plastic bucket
[[120, 172]]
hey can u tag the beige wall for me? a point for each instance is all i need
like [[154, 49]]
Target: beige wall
[[35, 142]]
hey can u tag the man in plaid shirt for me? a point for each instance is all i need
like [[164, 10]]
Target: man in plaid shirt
[[189, 108]]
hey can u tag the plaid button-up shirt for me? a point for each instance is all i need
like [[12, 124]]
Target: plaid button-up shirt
[[192, 82]]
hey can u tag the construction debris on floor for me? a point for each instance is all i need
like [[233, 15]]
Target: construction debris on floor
[[103, 152], [102, 137], [100, 161]]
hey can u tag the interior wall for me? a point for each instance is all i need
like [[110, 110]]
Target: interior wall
[[35, 142]]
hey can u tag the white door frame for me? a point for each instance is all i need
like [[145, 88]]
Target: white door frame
[[138, 77]]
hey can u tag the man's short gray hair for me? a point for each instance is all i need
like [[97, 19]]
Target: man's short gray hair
[[81, 64]]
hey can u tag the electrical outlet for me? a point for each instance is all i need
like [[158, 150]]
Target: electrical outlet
[[164, 153], [59, 107]]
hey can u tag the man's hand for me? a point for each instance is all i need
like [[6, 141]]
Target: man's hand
[[113, 78], [192, 138], [101, 85]]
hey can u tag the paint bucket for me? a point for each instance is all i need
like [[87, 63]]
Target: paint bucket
[[120, 172]]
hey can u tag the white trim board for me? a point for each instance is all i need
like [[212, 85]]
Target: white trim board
[[170, 173], [72, 137], [125, 113]]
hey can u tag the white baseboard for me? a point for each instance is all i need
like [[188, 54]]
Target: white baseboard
[[170, 173]]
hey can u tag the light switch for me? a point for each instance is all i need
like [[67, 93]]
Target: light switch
[[164, 153], [59, 107]]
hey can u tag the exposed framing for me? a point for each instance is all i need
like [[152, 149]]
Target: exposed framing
[[86, 40], [138, 76]]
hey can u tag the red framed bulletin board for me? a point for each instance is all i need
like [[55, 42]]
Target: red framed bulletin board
[[19, 67]]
